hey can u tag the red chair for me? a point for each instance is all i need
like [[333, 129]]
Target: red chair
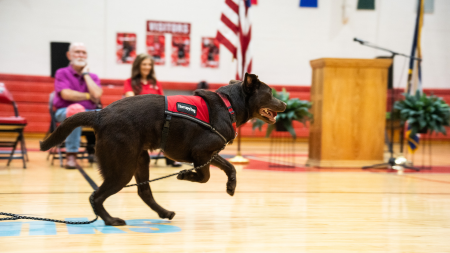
[[14, 124]]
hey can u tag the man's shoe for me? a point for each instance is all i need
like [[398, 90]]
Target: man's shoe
[[176, 164], [71, 161]]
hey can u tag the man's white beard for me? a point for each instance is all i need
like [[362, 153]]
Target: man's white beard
[[79, 62]]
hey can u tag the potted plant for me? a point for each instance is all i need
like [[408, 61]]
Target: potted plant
[[423, 113], [295, 110]]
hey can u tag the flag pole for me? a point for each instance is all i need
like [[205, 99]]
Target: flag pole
[[230, 34], [415, 48], [239, 159]]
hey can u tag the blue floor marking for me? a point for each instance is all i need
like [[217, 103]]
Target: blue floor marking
[[90, 228], [145, 227], [44, 228], [41, 227], [10, 228]]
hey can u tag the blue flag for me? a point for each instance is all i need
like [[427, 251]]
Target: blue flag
[[308, 3], [413, 140]]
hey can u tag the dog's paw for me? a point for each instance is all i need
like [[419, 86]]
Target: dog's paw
[[182, 175], [167, 215], [231, 186], [115, 222]]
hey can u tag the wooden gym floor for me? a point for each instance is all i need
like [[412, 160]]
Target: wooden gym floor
[[302, 210]]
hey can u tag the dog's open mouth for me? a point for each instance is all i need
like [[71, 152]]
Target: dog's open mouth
[[268, 114]]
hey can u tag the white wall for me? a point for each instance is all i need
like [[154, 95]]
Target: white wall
[[285, 37]]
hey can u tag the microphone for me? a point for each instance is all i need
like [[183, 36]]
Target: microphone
[[360, 41]]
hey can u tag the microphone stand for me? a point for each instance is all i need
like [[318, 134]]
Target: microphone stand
[[400, 161]]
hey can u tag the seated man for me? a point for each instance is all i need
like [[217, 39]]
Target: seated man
[[75, 85]]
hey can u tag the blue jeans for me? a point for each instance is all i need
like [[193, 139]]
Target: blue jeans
[[73, 140]]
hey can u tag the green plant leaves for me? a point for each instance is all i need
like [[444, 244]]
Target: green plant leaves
[[257, 123], [424, 112], [437, 118], [288, 126], [269, 130]]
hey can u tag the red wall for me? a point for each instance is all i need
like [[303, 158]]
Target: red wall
[[31, 94]]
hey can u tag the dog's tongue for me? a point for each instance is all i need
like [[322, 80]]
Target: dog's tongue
[[273, 114]]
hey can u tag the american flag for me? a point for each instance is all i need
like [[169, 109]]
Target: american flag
[[235, 33]]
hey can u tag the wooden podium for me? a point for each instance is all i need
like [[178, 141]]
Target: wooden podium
[[349, 107]]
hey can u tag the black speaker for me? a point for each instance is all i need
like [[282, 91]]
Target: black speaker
[[390, 81], [58, 56]]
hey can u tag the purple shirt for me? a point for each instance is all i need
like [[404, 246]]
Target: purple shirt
[[68, 78]]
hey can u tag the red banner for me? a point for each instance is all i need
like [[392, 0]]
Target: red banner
[[156, 48], [126, 47], [210, 53], [180, 50]]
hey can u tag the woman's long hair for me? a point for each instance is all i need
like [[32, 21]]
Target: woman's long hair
[[136, 73]]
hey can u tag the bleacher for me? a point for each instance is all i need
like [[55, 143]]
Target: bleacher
[[32, 93]]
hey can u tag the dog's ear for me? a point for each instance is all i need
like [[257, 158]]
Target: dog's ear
[[251, 83]]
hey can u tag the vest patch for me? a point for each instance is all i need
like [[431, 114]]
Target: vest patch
[[187, 108], [192, 106]]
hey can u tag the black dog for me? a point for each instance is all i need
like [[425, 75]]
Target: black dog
[[127, 128]]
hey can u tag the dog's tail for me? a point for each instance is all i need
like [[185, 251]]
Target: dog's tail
[[67, 126]]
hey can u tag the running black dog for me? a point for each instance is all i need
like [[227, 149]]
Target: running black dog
[[126, 129]]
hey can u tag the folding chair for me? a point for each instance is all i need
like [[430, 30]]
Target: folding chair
[[12, 124], [58, 152]]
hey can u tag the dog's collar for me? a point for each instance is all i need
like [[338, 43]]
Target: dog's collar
[[230, 110]]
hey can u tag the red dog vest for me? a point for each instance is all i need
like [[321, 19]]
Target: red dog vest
[[193, 108]]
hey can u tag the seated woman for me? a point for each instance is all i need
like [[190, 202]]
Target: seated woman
[[143, 81]]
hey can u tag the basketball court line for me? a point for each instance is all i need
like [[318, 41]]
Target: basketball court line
[[429, 180], [88, 178], [276, 162]]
